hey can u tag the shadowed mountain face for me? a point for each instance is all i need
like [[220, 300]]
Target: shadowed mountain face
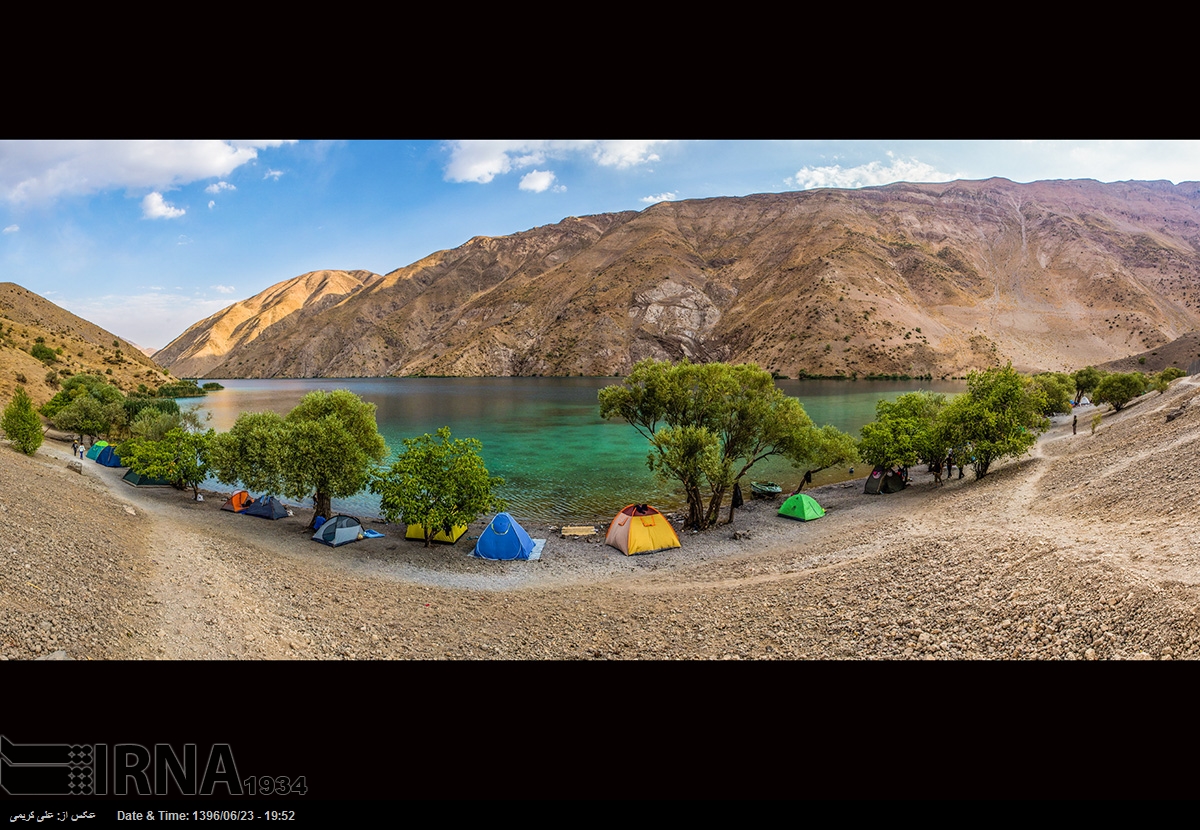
[[920, 279]]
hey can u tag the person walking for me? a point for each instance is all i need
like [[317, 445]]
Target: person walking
[[1075, 425]]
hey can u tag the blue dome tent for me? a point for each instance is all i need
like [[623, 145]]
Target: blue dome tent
[[503, 538]]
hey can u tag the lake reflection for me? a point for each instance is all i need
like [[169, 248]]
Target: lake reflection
[[561, 462]]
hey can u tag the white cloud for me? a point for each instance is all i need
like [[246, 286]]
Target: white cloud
[[154, 207], [218, 187], [868, 175], [12, 229], [273, 174], [183, 240], [625, 153], [667, 196], [211, 204], [40, 171], [482, 161], [223, 289], [540, 181]]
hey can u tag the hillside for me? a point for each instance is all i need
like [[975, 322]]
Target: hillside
[[919, 279], [78, 346]]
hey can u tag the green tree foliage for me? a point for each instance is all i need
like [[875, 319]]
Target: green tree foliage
[[251, 453], [438, 483], [180, 457], [21, 424], [904, 431], [43, 353], [1057, 387], [1162, 381], [324, 448], [999, 416], [333, 441], [136, 404], [88, 416], [1119, 388], [708, 424], [1085, 381], [77, 386]]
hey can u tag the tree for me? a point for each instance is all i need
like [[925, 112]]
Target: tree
[[1119, 388], [180, 457], [904, 431], [331, 442], [251, 453], [1057, 388], [437, 483], [21, 423], [998, 417], [1085, 381], [323, 448], [708, 424]]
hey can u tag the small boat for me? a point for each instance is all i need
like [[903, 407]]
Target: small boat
[[765, 489]]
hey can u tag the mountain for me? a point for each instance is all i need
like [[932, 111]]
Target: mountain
[[919, 279], [73, 345]]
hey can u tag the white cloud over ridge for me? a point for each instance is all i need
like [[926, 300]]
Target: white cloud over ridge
[[868, 175], [155, 207], [41, 171], [539, 181], [666, 196], [482, 161]]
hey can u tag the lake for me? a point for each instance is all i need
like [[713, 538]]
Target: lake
[[561, 462]]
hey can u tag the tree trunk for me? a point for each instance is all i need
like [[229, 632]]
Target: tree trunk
[[322, 506]]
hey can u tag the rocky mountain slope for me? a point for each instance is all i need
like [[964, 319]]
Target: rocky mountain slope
[[74, 345], [919, 279]]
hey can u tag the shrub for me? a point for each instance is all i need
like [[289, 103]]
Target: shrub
[[21, 423]]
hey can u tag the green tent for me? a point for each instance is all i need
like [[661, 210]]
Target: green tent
[[803, 507], [138, 480], [94, 452]]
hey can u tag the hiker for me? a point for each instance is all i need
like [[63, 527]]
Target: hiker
[[949, 465], [74, 448], [960, 466], [1075, 425]]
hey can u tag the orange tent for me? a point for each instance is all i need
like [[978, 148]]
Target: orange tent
[[640, 528], [238, 502]]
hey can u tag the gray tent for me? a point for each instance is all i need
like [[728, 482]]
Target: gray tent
[[339, 530]]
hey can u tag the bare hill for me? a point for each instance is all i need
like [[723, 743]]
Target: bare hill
[[77, 346], [920, 279]]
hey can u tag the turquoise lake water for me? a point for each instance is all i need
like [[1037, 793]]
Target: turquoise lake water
[[561, 462]]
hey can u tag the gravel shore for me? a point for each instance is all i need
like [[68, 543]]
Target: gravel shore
[[1082, 550]]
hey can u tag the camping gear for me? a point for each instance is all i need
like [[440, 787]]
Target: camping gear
[[139, 480], [640, 528], [238, 502], [883, 480], [340, 530], [96, 449], [801, 506], [109, 458], [764, 489], [503, 538], [267, 508], [418, 532]]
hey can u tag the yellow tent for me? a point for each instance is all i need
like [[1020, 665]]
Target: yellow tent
[[418, 532], [639, 528]]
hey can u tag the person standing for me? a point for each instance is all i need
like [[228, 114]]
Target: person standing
[[1075, 425]]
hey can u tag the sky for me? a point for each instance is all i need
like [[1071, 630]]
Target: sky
[[145, 238]]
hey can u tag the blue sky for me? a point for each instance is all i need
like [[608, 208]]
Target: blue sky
[[147, 237]]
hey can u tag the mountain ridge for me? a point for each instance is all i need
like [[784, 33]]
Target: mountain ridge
[[910, 278]]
